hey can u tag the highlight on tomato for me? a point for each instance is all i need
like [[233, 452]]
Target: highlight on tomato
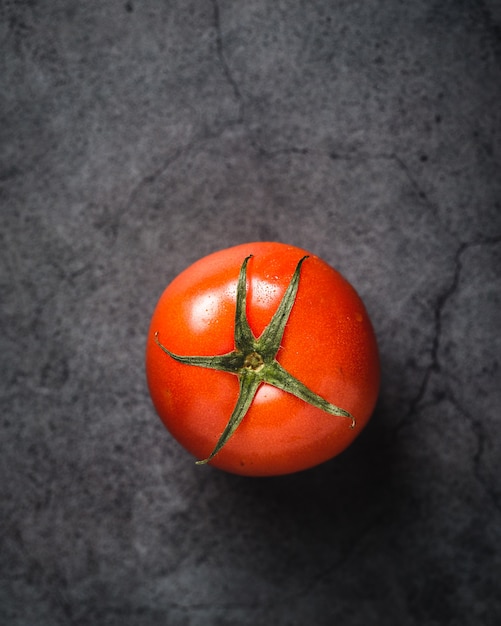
[[261, 360]]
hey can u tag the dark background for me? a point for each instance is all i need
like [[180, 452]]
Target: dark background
[[137, 137]]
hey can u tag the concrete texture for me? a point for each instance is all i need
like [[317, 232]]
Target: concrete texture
[[137, 137]]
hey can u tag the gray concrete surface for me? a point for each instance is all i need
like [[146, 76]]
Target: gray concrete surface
[[137, 137]]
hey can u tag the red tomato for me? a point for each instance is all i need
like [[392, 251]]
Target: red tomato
[[328, 344]]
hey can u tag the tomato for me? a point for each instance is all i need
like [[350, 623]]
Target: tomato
[[261, 360]]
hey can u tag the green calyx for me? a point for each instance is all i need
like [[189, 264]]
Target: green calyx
[[254, 362]]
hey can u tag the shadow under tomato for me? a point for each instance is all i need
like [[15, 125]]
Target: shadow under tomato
[[322, 510], [289, 532]]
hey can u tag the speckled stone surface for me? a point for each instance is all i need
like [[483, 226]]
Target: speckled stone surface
[[136, 137]]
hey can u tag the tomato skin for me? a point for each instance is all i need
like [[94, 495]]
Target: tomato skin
[[328, 344]]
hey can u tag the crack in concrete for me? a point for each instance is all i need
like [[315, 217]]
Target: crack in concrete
[[441, 301], [435, 367], [422, 195], [481, 437], [204, 136], [359, 156], [143, 183], [224, 63], [477, 424]]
